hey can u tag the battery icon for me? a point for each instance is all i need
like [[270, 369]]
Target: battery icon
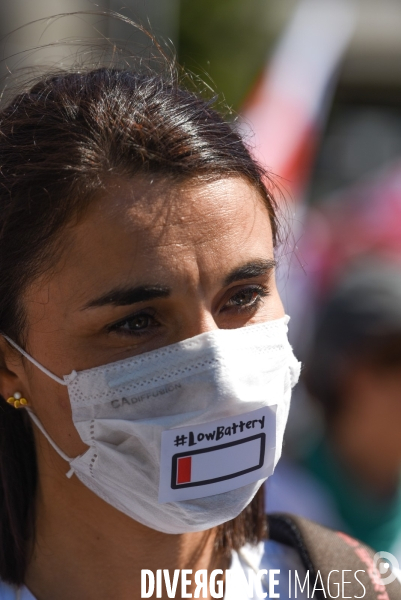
[[218, 463]]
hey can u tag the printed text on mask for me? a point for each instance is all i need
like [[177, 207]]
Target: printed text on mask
[[219, 432]]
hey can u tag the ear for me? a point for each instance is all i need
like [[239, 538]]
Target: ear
[[12, 371]]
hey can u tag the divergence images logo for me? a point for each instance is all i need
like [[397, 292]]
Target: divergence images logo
[[388, 567], [218, 463]]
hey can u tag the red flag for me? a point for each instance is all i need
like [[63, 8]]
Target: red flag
[[286, 110]]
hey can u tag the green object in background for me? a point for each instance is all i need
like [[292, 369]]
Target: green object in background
[[226, 43], [375, 521]]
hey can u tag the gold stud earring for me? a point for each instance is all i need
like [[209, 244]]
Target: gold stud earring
[[17, 400]]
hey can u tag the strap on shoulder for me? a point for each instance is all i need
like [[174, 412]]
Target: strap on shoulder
[[332, 557]]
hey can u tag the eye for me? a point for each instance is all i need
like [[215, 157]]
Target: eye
[[246, 298], [135, 325]]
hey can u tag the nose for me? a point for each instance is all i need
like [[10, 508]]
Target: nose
[[196, 323]]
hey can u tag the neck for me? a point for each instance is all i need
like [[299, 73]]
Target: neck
[[85, 549]]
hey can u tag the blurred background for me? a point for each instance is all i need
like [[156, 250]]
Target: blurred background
[[315, 88]]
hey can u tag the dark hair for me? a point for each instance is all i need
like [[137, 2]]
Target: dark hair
[[60, 142]]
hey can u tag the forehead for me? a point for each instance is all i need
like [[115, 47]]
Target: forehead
[[143, 232], [159, 214]]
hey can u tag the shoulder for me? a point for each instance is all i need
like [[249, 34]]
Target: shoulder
[[328, 555], [9, 592]]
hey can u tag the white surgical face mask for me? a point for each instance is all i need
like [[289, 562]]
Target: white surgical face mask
[[181, 438]]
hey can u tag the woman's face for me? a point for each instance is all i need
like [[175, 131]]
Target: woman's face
[[149, 265]]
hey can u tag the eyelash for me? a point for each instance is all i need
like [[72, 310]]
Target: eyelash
[[250, 307], [260, 291], [118, 327]]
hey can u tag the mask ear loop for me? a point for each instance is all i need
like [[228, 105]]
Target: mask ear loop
[[64, 381], [32, 415], [51, 442]]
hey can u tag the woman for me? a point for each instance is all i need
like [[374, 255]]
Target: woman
[[145, 367]]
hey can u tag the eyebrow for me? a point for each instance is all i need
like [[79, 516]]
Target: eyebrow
[[250, 270], [127, 296], [144, 293]]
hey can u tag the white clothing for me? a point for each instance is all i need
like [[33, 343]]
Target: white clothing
[[267, 555]]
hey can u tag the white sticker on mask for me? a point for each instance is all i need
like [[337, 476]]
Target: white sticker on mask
[[217, 457]]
